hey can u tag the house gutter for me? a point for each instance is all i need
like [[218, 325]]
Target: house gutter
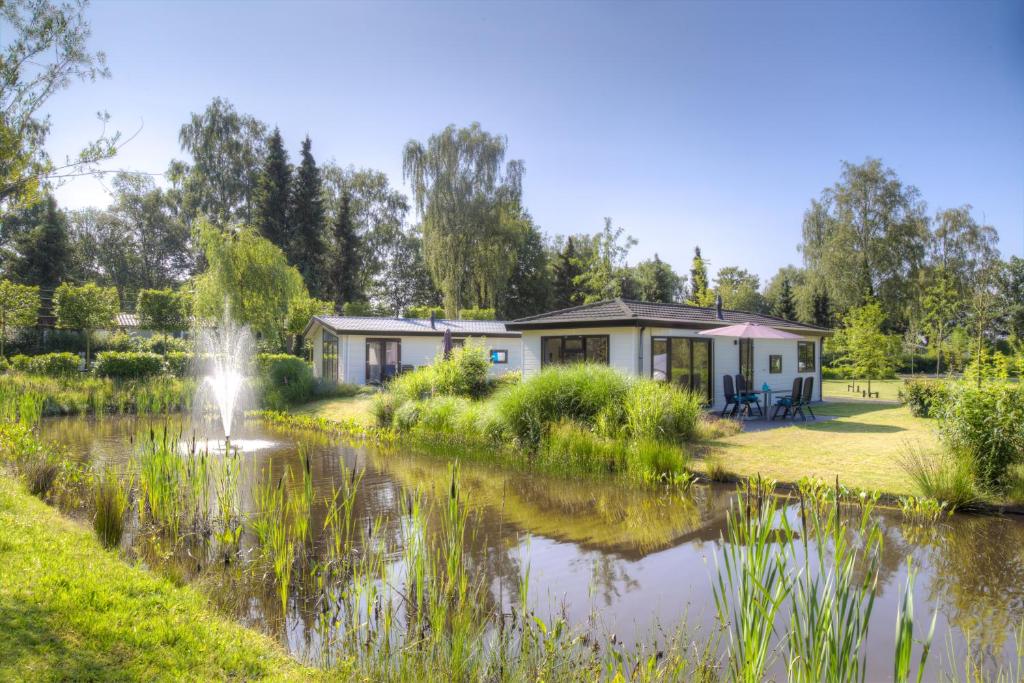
[[640, 351]]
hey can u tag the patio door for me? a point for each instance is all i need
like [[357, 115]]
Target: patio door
[[383, 359], [329, 358], [747, 361], [684, 361]]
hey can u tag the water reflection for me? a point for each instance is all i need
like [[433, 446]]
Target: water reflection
[[624, 559]]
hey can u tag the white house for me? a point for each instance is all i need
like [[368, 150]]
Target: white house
[[358, 350], [662, 341]]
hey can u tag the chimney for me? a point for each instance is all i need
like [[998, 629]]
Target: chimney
[[718, 306], [432, 320]]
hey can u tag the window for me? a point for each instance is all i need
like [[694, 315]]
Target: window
[[329, 358], [499, 356], [805, 356], [747, 361], [574, 349], [774, 364], [684, 361]]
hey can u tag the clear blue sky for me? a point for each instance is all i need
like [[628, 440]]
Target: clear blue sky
[[690, 123]]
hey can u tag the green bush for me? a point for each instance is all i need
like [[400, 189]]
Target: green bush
[[477, 314], [48, 364], [985, 426], [574, 392], [125, 365], [164, 344], [121, 341], [924, 397], [287, 380], [383, 408], [424, 312], [178, 363], [836, 373], [938, 474], [464, 373]]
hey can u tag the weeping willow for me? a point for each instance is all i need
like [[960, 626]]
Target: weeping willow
[[468, 199]]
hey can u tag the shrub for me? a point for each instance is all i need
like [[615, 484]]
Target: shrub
[[287, 380], [477, 314], [48, 364], [383, 408], [121, 341], [573, 392], [985, 425], [406, 416], [938, 474], [128, 365], [924, 397], [424, 311], [178, 363], [840, 372], [464, 373], [715, 469], [164, 344]]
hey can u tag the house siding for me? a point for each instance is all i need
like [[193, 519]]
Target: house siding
[[416, 351], [624, 355]]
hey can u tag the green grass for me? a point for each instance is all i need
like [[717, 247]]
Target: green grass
[[70, 610], [343, 409], [862, 447], [835, 389]]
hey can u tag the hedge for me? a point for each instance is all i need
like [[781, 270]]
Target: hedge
[[128, 364], [49, 364]]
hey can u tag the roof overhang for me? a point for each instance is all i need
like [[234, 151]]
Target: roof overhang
[[649, 322], [408, 333]]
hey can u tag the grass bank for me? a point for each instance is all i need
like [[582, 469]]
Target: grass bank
[[69, 610], [84, 395]]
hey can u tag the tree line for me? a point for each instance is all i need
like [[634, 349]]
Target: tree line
[[463, 240]]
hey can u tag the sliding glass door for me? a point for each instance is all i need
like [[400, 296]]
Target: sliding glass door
[[329, 359], [685, 361], [383, 359]]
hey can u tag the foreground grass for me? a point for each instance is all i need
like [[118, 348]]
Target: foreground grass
[[70, 610], [862, 446], [343, 409]]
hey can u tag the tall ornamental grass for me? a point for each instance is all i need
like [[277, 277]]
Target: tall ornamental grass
[[578, 392]]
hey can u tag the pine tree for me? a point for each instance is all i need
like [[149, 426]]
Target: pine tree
[[345, 263], [42, 251], [700, 290], [785, 306], [270, 215], [565, 291], [821, 307], [306, 222]]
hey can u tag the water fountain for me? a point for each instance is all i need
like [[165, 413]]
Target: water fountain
[[224, 365]]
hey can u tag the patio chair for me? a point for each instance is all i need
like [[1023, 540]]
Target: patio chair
[[730, 395], [805, 400], [785, 403], [745, 398]]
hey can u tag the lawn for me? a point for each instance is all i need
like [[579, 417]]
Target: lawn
[[862, 446], [70, 610], [341, 409], [835, 389]]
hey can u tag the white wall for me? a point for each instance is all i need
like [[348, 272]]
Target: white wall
[[623, 354], [622, 346], [416, 351]]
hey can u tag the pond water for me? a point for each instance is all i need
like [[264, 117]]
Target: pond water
[[621, 560]]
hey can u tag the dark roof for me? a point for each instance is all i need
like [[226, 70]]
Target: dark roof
[[612, 312], [412, 326]]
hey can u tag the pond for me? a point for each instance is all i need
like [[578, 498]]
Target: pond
[[612, 558]]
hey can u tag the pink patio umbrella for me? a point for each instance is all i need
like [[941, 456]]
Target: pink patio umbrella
[[749, 331]]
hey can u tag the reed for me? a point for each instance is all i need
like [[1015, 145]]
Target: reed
[[111, 500]]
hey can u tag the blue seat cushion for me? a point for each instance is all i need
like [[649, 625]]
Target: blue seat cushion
[[784, 401]]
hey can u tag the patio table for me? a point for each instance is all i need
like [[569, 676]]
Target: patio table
[[767, 396]]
